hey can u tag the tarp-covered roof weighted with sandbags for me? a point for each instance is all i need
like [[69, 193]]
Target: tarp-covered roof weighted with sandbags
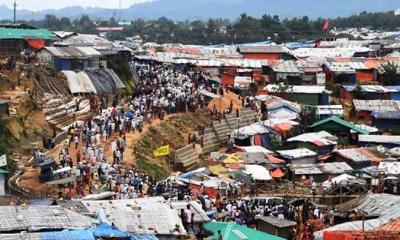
[[97, 81], [104, 81]]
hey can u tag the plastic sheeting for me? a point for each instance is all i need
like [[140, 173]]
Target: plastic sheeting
[[36, 43], [107, 231], [68, 235], [143, 237], [104, 80], [79, 82], [258, 172]]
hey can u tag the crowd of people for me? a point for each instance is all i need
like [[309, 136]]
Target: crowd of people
[[94, 150]]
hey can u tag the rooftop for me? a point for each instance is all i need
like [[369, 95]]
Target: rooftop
[[140, 216], [376, 105], [319, 139], [261, 49], [280, 223], [358, 154], [322, 168], [36, 218], [380, 139], [297, 153], [294, 89], [340, 121]]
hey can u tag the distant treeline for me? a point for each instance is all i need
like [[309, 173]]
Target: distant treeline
[[217, 31]]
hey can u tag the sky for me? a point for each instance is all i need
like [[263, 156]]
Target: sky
[[35, 5]]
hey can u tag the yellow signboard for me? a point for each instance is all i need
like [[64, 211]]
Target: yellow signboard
[[162, 151]]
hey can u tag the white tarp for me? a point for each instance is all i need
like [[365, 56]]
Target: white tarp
[[79, 82], [255, 149], [341, 180], [258, 172], [253, 129]]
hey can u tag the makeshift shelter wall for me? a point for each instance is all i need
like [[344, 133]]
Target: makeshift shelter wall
[[331, 127], [101, 82], [2, 185], [365, 75], [387, 124], [304, 98], [264, 56], [79, 82]]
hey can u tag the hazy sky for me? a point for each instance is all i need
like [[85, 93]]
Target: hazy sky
[[50, 4]]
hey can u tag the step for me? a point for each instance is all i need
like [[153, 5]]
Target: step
[[188, 161], [211, 149], [186, 155], [185, 148]]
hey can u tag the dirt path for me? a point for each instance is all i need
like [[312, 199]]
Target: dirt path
[[133, 138], [224, 102]]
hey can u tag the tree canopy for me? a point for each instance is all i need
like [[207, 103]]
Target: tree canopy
[[222, 31]]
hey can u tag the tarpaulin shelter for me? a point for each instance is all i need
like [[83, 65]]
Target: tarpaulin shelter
[[274, 159], [107, 231], [20, 36], [70, 235], [104, 80], [258, 173], [79, 82], [232, 231], [232, 159], [277, 173], [143, 237], [36, 43], [99, 81]]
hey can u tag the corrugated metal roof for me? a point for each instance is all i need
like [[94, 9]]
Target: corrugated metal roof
[[379, 139], [21, 236], [73, 52], [296, 153], [386, 206], [322, 168], [372, 88], [262, 49], [140, 216], [376, 105], [34, 218], [328, 52], [20, 33], [286, 67], [340, 121], [274, 221], [294, 89], [358, 154], [319, 139], [345, 67]]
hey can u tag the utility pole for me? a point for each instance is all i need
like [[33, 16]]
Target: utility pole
[[119, 11], [15, 11]]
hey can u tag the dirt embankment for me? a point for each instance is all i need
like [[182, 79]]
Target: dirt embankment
[[173, 132]]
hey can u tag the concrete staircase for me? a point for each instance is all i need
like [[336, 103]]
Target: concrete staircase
[[186, 158], [217, 136]]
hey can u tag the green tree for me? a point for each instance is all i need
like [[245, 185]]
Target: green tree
[[389, 73], [84, 25]]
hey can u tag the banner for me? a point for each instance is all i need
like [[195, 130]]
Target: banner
[[162, 151], [3, 161]]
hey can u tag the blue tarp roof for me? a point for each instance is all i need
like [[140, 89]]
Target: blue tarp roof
[[386, 115], [68, 235], [143, 237], [107, 231]]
